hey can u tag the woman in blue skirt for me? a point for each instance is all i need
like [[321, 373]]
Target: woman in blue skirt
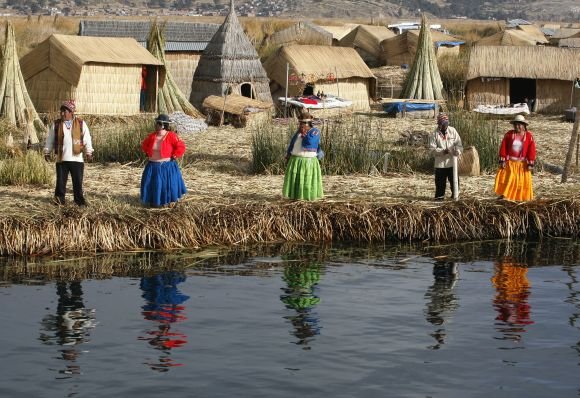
[[303, 178], [162, 183]]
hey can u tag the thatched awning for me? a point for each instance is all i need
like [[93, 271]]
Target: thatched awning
[[66, 55], [235, 104], [529, 62], [316, 62]]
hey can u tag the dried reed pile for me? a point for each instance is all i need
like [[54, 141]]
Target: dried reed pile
[[189, 226], [170, 98]]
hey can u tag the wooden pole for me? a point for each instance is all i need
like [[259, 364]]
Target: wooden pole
[[573, 141], [286, 92]]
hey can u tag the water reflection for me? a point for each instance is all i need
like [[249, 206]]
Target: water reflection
[[163, 307], [300, 295], [511, 300], [441, 300], [69, 327]]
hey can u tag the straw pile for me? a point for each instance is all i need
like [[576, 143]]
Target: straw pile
[[170, 98], [191, 226], [423, 81], [15, 102]]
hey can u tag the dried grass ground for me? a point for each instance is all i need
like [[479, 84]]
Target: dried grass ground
[[219, 176]]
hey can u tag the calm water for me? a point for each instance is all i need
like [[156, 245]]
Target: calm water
[[471, 320]]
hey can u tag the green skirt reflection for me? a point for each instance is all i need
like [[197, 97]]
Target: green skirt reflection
[[303, 179]]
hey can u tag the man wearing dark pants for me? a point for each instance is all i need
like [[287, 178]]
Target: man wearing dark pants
[[68, 138], [444, 143]]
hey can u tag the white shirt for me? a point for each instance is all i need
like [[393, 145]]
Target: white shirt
[[67, 144], [438, 143]]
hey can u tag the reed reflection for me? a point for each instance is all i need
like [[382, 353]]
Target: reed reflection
[[69, 327], [163, 307], [511, 300], [441, 300], [300, 295]]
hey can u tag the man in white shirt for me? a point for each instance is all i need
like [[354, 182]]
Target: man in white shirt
[[67, 139], [445, 143]]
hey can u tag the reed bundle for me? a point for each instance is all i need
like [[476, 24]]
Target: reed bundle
[[191, 226]]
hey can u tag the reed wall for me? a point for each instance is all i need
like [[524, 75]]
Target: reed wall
[[553, 96], [182, 66], [47, 90], [487, 92]]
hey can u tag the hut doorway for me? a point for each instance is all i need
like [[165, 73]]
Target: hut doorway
[[246, 90], [523, 90], [308, 90], [149, 82]]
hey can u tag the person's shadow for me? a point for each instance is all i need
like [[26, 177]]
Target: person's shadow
[[163, 306], [70, 326], [441, 300]]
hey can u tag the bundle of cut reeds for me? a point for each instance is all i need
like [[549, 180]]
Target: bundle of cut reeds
[[170, 98], [423, 81], [15, 103]]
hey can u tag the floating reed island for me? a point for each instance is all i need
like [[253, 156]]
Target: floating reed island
[[192, 225]]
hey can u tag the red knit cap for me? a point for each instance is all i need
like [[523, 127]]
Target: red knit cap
[[442, 118], [70, 105]]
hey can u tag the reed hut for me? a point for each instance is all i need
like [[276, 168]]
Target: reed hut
[[570, 43], [103, 74], [15, 103], [509, 37], [423, 81], [366, 40], [499, 75], [338, 32], [564, 33], [183, 46], [236, 110], [338, 71], [230, 65], [401, 49], [302, 32]]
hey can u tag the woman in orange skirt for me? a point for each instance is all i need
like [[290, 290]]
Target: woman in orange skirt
[[517, 156]]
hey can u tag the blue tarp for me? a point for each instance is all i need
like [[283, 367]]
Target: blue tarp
[[448, 43], [397, 107]]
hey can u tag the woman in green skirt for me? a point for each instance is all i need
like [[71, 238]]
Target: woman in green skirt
[[303, 179]]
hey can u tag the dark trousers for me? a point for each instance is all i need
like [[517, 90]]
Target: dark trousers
[[442, 175], [76, 170]]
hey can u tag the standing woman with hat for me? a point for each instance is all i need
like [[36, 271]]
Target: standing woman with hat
[[517, 156], [162, 182], [303, 178], [67, 139]]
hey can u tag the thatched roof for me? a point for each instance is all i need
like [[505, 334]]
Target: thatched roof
[[66, 55], [514, 62], [367, 38], [510, 37], [179, 36], [230, 56], [235, 104], [408, 41], [534, 32], [423, 81], [566, 33], [338, 32], [316, 62], [302, 32]]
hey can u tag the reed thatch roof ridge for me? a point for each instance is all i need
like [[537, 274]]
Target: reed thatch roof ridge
[[208, 224], [506, 61], [566, 33], [303, 32], [338, 32], [66, 55], [534, 32], [318, 61], [230, 56], [139, 30], [509, 37]]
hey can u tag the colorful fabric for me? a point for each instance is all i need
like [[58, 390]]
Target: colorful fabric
[[528, 151], [162, 183], [171, 146], [310, 141], [70, 105], [303, 179], [514, 181]]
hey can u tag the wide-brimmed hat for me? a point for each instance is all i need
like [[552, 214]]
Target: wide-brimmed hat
[[519, 119], [69, 104], [162, 118]]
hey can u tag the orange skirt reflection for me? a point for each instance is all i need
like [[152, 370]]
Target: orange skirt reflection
[[513, 289], [514, 181]]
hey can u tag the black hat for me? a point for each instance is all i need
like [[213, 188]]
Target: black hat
[[162, 118]]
